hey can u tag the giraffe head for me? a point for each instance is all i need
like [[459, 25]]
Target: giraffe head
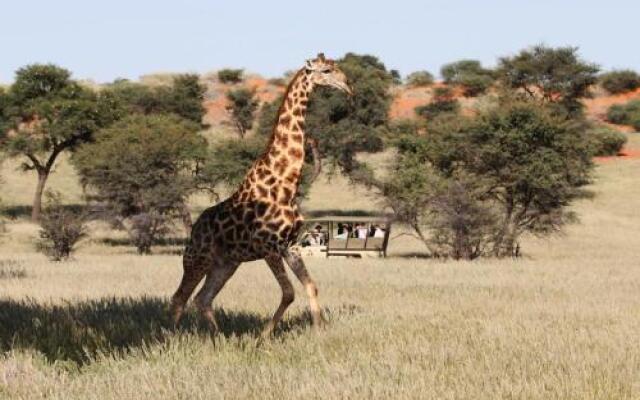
[[325, 72]]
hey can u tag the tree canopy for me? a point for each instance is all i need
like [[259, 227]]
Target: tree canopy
[[47, 113], [510, 170], [143, 167], [554, 75], [242, 107], [470, 74], [183, 97]]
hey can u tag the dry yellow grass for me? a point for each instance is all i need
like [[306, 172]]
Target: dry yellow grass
[[561, 323]]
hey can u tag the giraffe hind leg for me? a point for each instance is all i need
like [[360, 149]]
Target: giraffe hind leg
[[191, 277], [218, 274], [296, 264]]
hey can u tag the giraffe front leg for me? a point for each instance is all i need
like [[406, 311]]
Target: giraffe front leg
[[294, 259], [277, 267]]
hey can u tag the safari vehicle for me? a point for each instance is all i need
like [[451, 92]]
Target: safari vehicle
[[349, 236]]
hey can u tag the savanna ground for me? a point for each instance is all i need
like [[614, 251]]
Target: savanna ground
[[561, 322]]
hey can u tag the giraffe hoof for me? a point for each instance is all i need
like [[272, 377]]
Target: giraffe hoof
[[319, 322], [267, 332]]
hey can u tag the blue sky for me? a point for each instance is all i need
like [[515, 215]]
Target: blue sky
[[116, 38]]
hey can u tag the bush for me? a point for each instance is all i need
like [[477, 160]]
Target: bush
[[148, 229], [242, 108], [420, 78], [442, 103], [395, 76], [470, 75], [475, 84], [60, 229], [625, 114], [606, 141], [282, 82], [620, 81], [229, 75]]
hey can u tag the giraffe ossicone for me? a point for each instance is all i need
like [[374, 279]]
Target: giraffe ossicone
[[261, 219]]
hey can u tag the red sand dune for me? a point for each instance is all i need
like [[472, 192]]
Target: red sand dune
[[625, 154], [217, 101], [597, 106]]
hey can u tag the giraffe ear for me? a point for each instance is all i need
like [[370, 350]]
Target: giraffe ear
[[308, 65]]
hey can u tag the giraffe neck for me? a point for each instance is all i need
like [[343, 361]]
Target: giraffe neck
[[276, 175]]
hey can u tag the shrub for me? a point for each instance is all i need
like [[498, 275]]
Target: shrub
[[278, 82], [470, 75], [148, 229], [420, 78], [5, 104], [625, 114], [229, 75], [606, 141], [242, 107], [620, 81], [475, 84], [395, 76], [442, 103], [60, 228]]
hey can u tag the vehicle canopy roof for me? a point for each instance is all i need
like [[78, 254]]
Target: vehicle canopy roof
[[347, 218]]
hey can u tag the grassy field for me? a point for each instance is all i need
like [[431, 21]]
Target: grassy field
[[560, 323]]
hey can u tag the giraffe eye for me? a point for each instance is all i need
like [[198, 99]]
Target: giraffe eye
[[326, 71]]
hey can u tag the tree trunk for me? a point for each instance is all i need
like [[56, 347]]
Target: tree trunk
[[37, 200], [317, 160], [186, 219]]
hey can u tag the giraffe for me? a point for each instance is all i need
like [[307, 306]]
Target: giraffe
[[261, 219]]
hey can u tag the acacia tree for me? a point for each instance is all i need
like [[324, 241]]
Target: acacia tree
[[143, 169], [552, 75], [48, 114], [242, 107], [475, 185]]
